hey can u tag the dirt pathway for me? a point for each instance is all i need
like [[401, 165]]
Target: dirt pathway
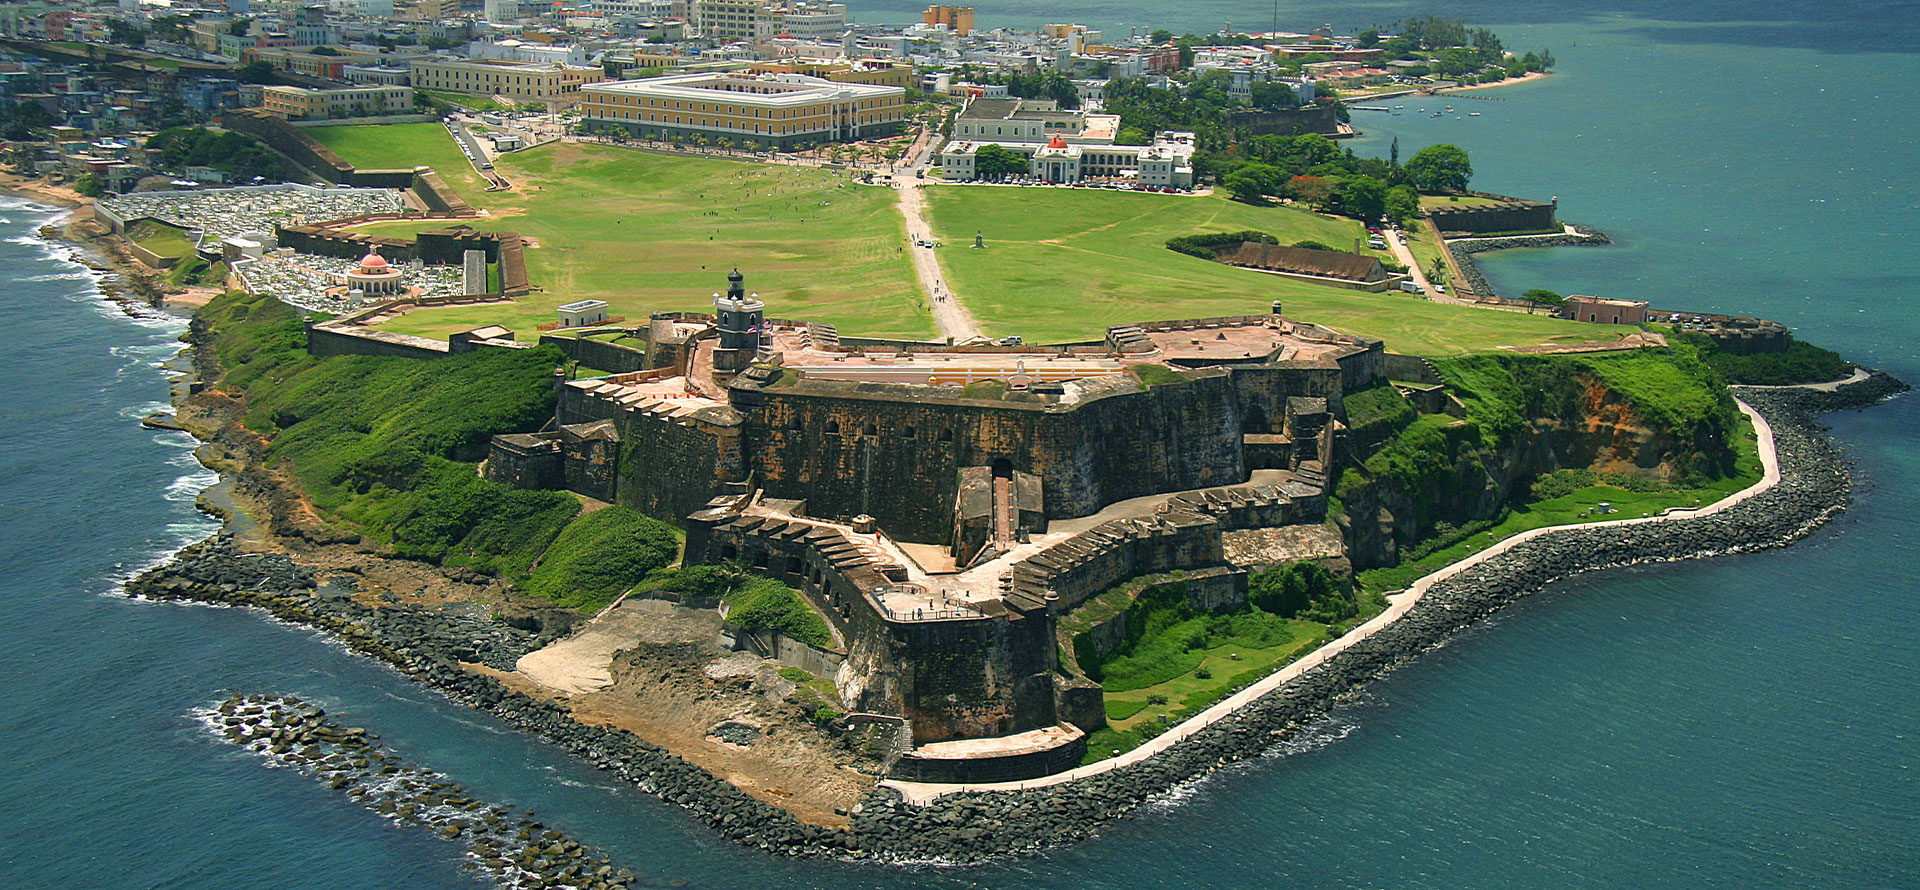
[[954, 320]]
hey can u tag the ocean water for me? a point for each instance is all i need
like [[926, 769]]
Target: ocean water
[[1741, 723]]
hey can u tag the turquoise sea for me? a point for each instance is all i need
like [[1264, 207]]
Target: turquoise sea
[[1748, 722]]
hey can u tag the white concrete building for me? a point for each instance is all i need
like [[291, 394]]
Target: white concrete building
[[583, 313], [1064, 145]]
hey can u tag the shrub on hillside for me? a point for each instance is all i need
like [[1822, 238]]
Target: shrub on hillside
[[1209, 245], [383, 443], [601, 555], [754, 602]]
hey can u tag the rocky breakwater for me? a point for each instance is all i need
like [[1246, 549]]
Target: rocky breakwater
[[1813, 488], [507, 846], [1463, 250], [431, 645]]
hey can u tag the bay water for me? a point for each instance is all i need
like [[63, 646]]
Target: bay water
[[1747, 722]]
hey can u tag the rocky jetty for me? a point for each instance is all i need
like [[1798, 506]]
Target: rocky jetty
[[508, 847], [1463, 250], [975, 826]]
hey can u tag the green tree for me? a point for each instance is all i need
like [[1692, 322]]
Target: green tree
[[995, 162], [1255, 183], [1274, 97], [1363, 197], [255, 72], [1542, 297], [85, 184], [1440, 168], [1403, 205], [1314, 191], [238, 27], [1160, 36]]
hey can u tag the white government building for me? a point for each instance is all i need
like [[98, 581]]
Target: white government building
[[1064, 146]]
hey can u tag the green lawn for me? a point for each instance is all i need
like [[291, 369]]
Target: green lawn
[[1577, 508], [468, 101], [404, 146], [164, 240], [1063, 264], [650, 232], [1227, 663], [1455, 201]]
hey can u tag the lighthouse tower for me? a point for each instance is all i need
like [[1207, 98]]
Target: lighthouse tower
[[741, 320]]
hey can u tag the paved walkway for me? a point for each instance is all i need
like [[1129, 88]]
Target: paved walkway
[[1398, 605], [953, 319]]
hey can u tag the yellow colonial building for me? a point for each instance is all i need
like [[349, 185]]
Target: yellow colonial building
[[547, 84], [774, 110]]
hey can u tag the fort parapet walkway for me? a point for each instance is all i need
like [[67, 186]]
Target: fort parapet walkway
[[921, 793]]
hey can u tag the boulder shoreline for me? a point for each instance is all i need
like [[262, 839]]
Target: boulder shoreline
[[433, 645]]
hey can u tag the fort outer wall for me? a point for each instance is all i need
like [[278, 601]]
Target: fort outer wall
[[895, 453], [969, 676], [1508, 215]]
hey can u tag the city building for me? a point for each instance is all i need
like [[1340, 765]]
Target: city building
[[553, 85], [330, 66], [725, 20], [874, 72], [781, 110], [1064, 145], [958, 19], [302, 103]]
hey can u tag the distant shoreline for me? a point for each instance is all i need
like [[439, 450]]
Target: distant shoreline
[[1511, 81]]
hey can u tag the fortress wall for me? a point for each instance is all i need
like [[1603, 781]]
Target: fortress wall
[[1172, 437], [1410, 368], [956, 678], [601, 354], [1319, 118], [1507, 216], [671, 467], [343, 245], [898, 459], [434, 193], [290, 141], [1263, 391]]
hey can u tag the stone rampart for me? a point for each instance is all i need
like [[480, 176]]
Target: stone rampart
[[1317, 118], [288, 140], [1504, 215], [436, 196], [602, 354], [894, 452]]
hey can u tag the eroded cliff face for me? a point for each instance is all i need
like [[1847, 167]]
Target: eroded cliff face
[[1607, 436], [1597, 430]]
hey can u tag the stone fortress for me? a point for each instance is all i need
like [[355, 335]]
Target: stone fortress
[[944, 505]]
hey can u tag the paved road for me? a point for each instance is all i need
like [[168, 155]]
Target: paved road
[[1398, 240]]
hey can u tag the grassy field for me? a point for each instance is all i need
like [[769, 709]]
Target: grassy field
[[1455, 201], [1225, 663], [649, 232], [1064, 264], [404, 146], [469, 102], [164, 240]]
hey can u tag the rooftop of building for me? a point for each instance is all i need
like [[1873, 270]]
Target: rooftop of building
[[769, 89]]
